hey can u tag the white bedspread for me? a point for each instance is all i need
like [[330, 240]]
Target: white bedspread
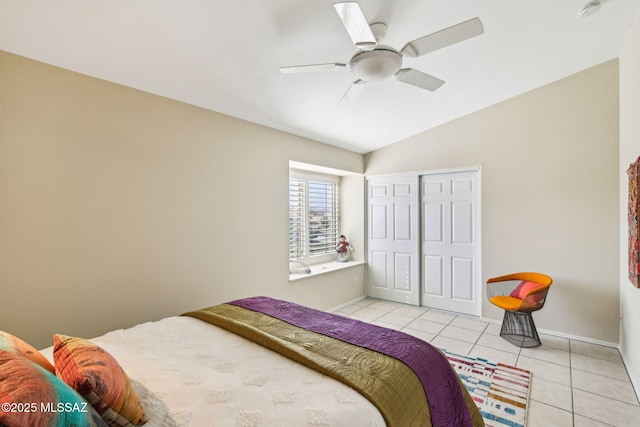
[[202, 375]]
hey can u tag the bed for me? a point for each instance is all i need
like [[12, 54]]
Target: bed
[[265, 362]]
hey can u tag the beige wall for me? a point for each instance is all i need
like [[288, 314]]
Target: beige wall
[[549, 168], [629, 152], [118, 207]]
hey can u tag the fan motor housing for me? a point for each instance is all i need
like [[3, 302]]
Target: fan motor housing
[[376, 65]]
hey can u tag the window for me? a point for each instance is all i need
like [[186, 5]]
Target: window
[[313, 216]]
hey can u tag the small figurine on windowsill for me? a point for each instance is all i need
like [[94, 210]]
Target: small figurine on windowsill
[[343, 250]]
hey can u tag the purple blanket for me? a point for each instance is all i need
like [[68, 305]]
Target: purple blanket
[[440, 382]]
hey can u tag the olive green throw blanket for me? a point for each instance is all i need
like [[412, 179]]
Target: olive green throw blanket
[[384, 380]]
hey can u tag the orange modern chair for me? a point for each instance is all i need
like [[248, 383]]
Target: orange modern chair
[[519, 295]]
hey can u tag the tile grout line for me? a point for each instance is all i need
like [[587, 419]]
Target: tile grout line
[[573, 407]]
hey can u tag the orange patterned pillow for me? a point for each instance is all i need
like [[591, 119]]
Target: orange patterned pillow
[[14, 344], [97, 376], [32, 396]]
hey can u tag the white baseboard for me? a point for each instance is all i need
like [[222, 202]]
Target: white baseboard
[[579, 338], [562, 335], [347, 303]]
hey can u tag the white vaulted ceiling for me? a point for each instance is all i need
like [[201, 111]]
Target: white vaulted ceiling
[[224, 55]]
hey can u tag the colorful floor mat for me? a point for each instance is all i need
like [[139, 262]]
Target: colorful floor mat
[[500, 391]]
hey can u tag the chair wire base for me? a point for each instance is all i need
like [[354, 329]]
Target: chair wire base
[[519, 329]]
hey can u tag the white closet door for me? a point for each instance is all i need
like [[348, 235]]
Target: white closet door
[[393, 239], [450, 242]]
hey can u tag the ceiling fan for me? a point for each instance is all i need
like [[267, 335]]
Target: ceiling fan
[[376, 62]]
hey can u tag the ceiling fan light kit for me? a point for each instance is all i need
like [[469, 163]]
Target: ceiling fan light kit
[[376, 65], [375, 62]]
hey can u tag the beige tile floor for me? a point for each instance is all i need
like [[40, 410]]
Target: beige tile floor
[[574, 383]]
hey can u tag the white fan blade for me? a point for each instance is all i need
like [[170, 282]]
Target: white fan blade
[[443, 38], [419, 79], [354, 90], [312, 68], [356, 24]]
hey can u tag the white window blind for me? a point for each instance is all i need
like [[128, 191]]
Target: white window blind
[[313, 216]]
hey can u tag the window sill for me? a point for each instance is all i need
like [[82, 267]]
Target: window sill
[[327, 267]]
